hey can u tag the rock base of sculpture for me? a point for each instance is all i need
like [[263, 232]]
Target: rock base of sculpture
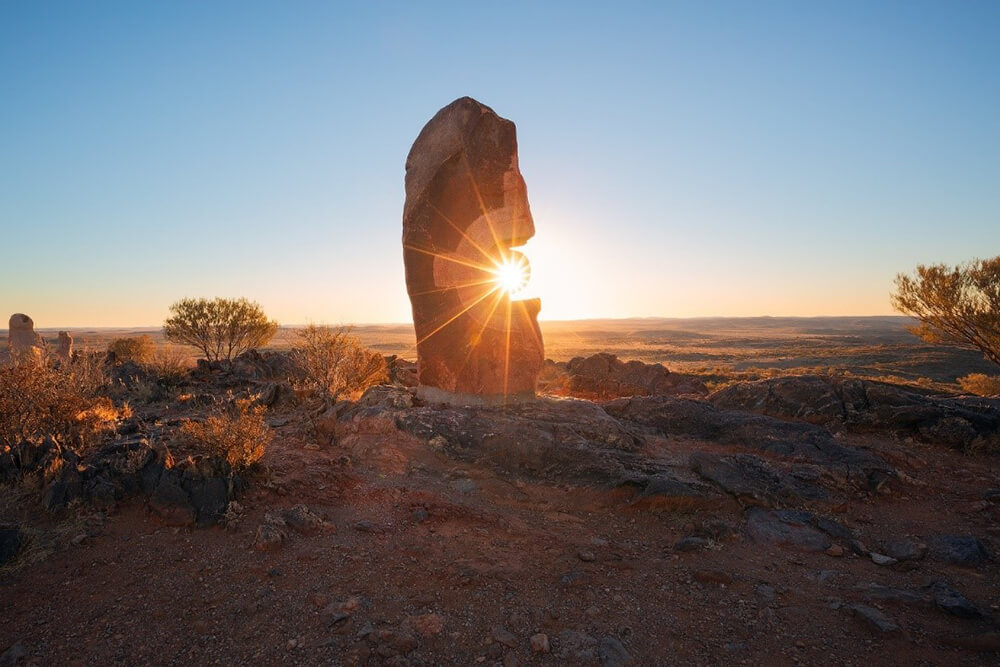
[[429, 394]]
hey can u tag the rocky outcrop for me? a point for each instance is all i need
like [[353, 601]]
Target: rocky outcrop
[[194, 490], [678, 417], [401, 371], [603, 376], [466, 207], [965, 423]]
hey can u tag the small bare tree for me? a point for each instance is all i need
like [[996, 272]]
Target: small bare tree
[[335, 362], [957, 306], [220, 328]]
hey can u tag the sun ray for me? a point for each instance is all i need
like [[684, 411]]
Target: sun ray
[[448, 258], [458, 314], [506, 359], [482, 207], [464, 235], [438, 290], [486, 322]]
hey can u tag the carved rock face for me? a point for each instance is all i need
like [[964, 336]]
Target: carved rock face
[[466, 207]]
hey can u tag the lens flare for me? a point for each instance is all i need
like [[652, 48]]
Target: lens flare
[[512, 274]]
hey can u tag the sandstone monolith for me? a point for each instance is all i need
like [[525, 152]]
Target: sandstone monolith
[[466, 208], [22, 341], [64, 347]]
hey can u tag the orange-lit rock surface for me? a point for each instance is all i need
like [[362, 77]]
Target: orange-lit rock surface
[[466, 208]]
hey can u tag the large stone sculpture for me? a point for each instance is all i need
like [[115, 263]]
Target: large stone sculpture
[[22, 341], [64, 349], [466, 207]]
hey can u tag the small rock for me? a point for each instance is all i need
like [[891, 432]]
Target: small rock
[[274, 572], [426, 625], [510, 659], [612, 653], [836, 551], [905, 549], [593, 611], [964, 550], [953, 602], [303, 520], [268, 538], [880, 559], [587, 556], [352, 604], [503, 636], [690, 544], [366, 526], [540, 643], [873, 618], [420, 515]]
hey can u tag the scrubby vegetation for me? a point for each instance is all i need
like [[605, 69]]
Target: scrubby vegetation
[[236, 431], [980, 384], [336, 363], [63, 402], [220, 328], [137, 349], [955, 305]]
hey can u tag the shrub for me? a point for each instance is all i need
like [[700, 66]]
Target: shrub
[[236, 431], [40, 400], [169, 363], [980, 384], [957, 306], [220, 328], [138, 349], [336, 362]]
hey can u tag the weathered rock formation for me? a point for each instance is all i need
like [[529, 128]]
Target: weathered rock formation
[[604, 375], [22, 341], [193, 490], [964, 423], [65, 346], [466, 207]]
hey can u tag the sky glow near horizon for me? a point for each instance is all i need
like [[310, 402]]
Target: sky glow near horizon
[[682, 158]]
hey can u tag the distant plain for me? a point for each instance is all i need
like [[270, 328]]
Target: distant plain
[[719, 349]]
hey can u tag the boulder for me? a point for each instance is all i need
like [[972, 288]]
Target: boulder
[[863, 405], [796, 441], [466, 208], [963, 550], [603, 376]]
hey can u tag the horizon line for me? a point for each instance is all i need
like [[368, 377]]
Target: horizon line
[[541, 321]]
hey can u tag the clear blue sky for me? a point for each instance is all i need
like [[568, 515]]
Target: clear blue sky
[[682, 158]]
